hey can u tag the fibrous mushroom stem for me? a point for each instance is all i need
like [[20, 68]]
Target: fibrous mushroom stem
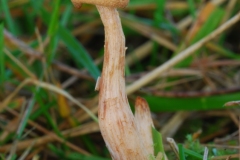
[[144, 124], [116, 120]]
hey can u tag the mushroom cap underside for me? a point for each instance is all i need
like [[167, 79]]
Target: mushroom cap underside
[[107, 3]]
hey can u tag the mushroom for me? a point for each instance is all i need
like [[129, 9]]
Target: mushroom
[[107, 3], [127, 137]]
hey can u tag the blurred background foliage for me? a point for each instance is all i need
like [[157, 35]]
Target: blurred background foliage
[[52, 53]]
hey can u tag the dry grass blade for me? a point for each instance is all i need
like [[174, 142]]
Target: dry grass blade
[[48, 87], [50, 136], [139, 53], [229, 7], [34, 54], [202, 18], [181, 56], [24, 68], [226, 157], [174, 123], [232, 104], [205, 156], [6, 101], [53, 136], [171, 5], [85, 28], [22, 46], [26, 152], [65, 68], [173, 146], [151, 33], [64, 93]]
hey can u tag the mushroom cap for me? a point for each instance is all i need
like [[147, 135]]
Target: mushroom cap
[[107, 3]]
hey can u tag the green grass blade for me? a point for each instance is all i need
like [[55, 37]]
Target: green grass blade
[[72, 155], [2, 57], [134, 3], [28, 22], [78, 52], [159, 13], [25, 119], [158, 143], [15, 69], [191, 8], [41, 110], [52, 32], [193, 154], [210, 25], [181, 152], [76, 156], [197, 103], [90, 145], [221, 50], [8, 17], [66, 15], [52, 123], [54, 19], [127, 70], [14, 157], [37, 5]]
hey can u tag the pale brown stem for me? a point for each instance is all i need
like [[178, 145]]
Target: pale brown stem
[[144, 123], [116, 120]]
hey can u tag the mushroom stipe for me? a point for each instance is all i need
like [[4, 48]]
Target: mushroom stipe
[[127, 137]]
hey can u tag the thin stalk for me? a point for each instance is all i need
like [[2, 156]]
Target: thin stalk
[[116, 120]]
